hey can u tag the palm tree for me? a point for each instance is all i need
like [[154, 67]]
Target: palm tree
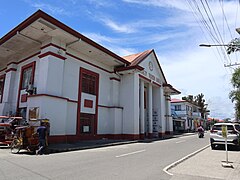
[[200, 102], [234, 95], [188, 98]]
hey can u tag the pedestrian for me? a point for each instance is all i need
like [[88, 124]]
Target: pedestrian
[[42, 133]]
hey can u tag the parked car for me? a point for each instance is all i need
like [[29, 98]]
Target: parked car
[[216, 136]]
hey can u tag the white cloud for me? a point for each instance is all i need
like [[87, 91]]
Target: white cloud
[[53, 9], [201, 72], [118, 26], [177, 4]]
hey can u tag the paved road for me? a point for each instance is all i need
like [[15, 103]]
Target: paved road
[[131, 161]]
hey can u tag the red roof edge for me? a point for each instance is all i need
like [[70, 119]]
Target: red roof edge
[[129, 68], [40, 14]]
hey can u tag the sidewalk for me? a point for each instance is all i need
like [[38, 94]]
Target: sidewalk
[[207, 164], [81, 145]]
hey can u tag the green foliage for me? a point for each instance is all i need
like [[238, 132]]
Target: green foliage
[[234, 95], [233, 46]]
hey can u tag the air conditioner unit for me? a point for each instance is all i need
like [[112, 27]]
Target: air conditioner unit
[[30, 89]]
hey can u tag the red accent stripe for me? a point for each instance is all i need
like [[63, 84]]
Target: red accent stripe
[[54, 45], [53, 96], [156, 84], [2, 77], [113, 78], [45, 16], [4, 69], [88, 62], [50, 53], [24, 59], [143, 77], [32, 64], [117, 107], [11, 69]]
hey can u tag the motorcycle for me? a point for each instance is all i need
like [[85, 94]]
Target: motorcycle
[[201, 134]]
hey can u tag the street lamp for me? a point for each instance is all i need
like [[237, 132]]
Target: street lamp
[[211, 45]]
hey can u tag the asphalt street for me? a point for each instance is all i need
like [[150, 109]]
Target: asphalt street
[[129, 161]]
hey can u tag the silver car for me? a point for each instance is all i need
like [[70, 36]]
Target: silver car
[[216, 137]]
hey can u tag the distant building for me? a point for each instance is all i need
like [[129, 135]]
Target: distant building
[[49, 70], [187, 116]]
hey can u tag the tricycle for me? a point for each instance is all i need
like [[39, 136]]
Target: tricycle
[[26, 137], [7, 128]]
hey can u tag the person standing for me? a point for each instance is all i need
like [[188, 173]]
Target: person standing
[[42, 133]]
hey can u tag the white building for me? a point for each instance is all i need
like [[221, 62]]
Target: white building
[[188, 114], [49, 70]]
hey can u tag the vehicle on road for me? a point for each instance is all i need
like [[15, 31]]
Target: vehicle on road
[[217, 138], [25, 137], [7, 127]]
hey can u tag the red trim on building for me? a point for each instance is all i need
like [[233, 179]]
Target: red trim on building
[[113, 78], [12, 63], [2, 77], [88, 103], [40, 14], [53, 96], [77, 58], [32, 64], [160, 134], [11, 69], [54, 45], [81, 72], [24, 59], [4, 69], [129, 68], [117, 107], [143, 77], [156, 84], [23, 98], [50, 53]]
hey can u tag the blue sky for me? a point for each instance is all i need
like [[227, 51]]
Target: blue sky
[[169, 27]]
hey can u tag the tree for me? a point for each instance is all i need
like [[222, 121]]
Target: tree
[[200, 102], [233, 46], [188, 98], [234, 95]]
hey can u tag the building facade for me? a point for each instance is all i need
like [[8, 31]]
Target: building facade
[[186, 115], [49, 70]]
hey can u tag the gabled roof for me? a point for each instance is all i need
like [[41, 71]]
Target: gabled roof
[[136, 59], [177, 100]]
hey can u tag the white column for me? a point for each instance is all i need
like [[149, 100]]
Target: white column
[[169, 117], [142, 121], [162, 111], [150, 119]]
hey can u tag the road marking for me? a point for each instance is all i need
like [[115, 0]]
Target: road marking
[[183, 159], [131, 153], [180, 141]]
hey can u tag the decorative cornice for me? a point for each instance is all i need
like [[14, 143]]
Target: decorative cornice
[[50, 53]]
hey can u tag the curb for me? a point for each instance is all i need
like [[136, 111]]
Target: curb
[[59, 150], [183, 159], [56, 150]]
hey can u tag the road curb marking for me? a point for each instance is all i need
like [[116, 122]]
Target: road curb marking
[[182, 159]]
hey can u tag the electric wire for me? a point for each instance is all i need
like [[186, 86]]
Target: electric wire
[[202, 25], [217, 32]]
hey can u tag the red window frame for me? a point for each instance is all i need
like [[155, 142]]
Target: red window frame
[[2, 90]]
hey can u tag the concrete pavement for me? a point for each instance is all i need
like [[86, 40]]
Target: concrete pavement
[[207, 164], [81, 145]]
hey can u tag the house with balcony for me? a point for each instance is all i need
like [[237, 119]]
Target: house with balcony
[[48, 70], [187, 116]]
